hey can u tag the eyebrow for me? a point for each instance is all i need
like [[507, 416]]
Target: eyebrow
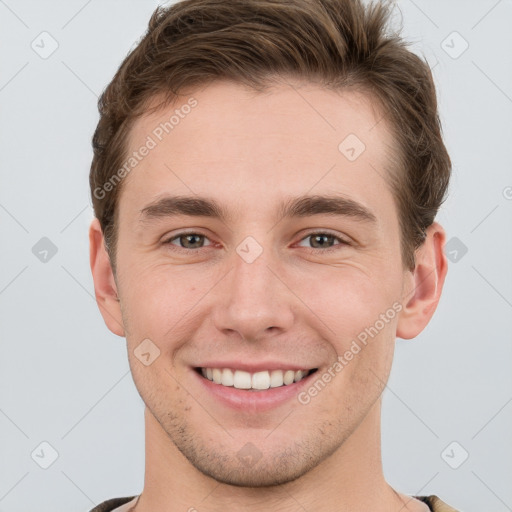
[[302, 206]]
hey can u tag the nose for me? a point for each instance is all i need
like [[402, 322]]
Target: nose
[[253, 300]]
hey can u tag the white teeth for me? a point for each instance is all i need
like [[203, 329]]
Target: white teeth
[[227, 377], [276, 378], [242, 380], [217, 376], [288, 377], [259, 381]]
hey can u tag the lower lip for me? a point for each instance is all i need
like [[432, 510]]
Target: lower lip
[[253, 401]]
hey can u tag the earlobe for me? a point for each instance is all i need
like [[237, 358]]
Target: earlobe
[[422, 291], [105, 288]]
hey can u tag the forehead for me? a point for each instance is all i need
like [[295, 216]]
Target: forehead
[[291, 139]]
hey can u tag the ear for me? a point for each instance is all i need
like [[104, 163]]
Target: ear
[[424, 284], [105, 287]]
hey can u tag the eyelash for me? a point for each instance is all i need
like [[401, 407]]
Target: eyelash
[[342, 241]]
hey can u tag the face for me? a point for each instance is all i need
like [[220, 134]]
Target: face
[[260, 287]]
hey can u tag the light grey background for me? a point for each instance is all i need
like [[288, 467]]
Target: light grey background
[[64, 378]]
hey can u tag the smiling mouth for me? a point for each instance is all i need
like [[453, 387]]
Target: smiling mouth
[[258, 381]]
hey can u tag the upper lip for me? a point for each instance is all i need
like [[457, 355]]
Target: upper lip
[[253, 367]]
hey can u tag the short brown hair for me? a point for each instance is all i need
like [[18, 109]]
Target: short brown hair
[[339, 44]]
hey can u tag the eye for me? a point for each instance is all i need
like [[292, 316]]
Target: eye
[[187, 240], [322, 241]]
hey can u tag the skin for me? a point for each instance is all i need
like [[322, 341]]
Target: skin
[[295, 302]]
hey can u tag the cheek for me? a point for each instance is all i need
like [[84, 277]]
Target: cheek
[[361, 313], [160, 301], [349, 301], [341, 302]]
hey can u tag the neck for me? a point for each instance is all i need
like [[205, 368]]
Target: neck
[[350, 479]]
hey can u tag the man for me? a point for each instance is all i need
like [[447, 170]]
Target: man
[[265, 179]]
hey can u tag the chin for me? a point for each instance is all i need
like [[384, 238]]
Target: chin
[[243, 464], [268, 473]]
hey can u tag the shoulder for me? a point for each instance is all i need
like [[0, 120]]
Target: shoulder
[[435, 504], [112, 504]]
